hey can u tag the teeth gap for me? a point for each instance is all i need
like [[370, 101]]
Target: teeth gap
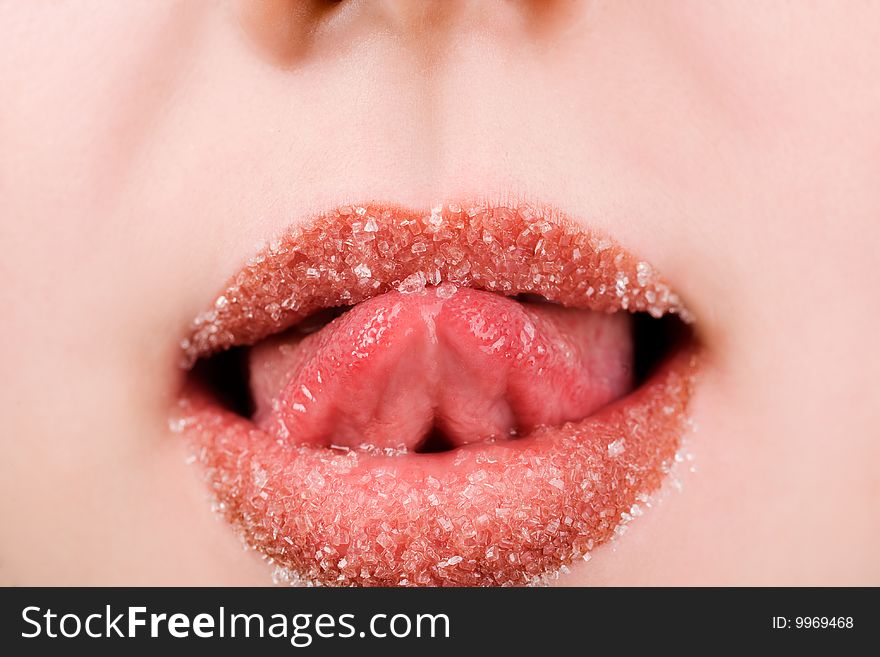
[[434, 442]]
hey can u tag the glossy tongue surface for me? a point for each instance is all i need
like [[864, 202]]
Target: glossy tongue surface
[[460, 363]]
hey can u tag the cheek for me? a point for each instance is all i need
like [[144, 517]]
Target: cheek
[[82, 255], [743, 128]]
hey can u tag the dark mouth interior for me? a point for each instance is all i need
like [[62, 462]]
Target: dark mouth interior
[[655, 340], [435, 442], [225, 374]]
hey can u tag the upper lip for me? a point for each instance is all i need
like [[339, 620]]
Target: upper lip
[[518, 249], [492, 513]]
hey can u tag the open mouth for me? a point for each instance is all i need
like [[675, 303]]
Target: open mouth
[[465, 396]]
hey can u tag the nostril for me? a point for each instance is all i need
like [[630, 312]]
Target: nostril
[[434, 442], [283, 31]]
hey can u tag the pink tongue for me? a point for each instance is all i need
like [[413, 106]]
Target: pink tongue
[[469, 364]]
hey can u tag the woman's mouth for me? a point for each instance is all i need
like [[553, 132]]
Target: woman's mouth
[[464, 396]]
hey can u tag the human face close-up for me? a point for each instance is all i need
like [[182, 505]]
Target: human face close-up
[[426, 293]]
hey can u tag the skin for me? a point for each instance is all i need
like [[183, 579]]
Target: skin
[[146, 148]]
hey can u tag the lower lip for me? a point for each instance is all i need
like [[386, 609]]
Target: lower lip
[[505, 513]]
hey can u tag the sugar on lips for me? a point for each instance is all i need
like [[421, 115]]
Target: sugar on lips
[[550, 447]]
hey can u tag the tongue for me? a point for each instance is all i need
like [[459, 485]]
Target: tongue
[[462, 364]]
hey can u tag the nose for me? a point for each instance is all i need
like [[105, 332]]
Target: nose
[[415, 15], [288, 30]]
